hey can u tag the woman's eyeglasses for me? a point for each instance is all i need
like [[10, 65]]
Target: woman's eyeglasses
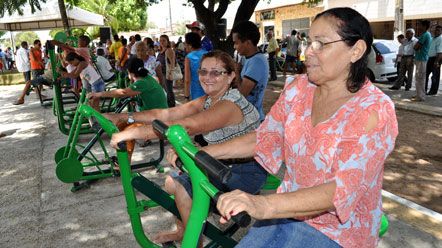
[[317, 45], [213, 73]]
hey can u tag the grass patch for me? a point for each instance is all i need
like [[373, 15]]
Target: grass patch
[[11, 78]]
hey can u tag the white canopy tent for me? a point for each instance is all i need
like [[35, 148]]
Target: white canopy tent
[[49, 18]]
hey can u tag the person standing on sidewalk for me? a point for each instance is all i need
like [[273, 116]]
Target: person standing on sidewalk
[[36, 58], [22, 61], [292, 52], [407, 65], [434, 61], [421, 58], [272, 50], [255, 71], [400, 38]]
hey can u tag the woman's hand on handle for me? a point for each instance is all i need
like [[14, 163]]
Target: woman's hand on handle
[[117, 138], [232, 203], [171, 157]]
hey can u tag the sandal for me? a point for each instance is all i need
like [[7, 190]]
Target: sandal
[[18, 102]]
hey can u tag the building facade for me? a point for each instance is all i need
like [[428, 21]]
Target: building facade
[[284, 18], [293, 14]]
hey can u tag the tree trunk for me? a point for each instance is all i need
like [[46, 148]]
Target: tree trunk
[[64, 16], [210, 18], [245, 11]]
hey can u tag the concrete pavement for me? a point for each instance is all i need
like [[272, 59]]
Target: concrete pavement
[[37, 210]]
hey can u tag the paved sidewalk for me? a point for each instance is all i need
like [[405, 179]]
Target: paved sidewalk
[[37, 210]]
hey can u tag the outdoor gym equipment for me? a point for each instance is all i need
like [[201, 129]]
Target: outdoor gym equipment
[[198, 165], [65, 116], [70, 165], [203, 189]]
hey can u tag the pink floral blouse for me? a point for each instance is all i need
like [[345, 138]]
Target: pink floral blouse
[[338, 149]]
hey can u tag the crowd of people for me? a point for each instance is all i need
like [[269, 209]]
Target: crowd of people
[[331, 127], [423, 54]]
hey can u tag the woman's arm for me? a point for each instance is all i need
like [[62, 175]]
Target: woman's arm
[[302, 203], [74, 74], [240, 147], [187, 78], [202, 122], [169, 114], [117, 93]]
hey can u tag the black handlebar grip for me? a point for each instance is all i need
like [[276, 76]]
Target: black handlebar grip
[[179, 163], [122, 146], [160, 127], [243, 219], [213, 167]]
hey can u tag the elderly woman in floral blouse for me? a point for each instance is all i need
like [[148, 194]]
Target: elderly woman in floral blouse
[[333, 130]]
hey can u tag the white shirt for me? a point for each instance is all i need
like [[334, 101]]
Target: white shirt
[[22, 60], [89, 75], [133, 49], [435, 46], [104, 67], [409, 46]]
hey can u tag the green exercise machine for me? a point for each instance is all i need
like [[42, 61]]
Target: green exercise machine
[[198, 165], [85, 167]]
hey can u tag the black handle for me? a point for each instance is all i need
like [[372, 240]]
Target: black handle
[[213, 167], [122, 146], [243, 219], [160, 127], [179, 163]]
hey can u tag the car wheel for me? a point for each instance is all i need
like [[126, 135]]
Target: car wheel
[[370, 75], [392, 79]]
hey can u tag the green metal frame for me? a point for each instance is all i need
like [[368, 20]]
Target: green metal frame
[[70, 165], [203, 190]]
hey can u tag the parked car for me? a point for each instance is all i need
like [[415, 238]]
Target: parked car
[[381, 60]]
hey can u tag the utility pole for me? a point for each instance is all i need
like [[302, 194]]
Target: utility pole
[[399, 24], [170, 18]]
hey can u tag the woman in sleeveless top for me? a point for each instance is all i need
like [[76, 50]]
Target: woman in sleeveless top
[[89, 76], [167, 55], [222, 114]]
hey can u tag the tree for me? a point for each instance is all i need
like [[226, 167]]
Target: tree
[[210, 16], [28, 36]]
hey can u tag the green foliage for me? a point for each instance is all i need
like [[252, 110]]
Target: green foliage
[[121, 15], [11, 6], [28, 36]]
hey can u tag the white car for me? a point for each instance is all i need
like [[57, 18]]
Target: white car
[[381, 60]]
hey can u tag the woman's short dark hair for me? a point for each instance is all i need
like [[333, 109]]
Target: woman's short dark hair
[[136, 66], [72, 55], [229, 63], [352, 26], [226, 59], [193, 39], [247, 30]]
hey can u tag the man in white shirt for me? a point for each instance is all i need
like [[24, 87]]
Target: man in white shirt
[[291, 52], [104, 67], [407, 62], [22, 61], [133, 49], [434, 61]]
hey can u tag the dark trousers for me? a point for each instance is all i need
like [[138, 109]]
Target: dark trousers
[[272, 65], [435, 77], [405, 72], [170, 94]]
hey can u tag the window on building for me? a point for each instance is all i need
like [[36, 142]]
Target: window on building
[[268, 15]]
